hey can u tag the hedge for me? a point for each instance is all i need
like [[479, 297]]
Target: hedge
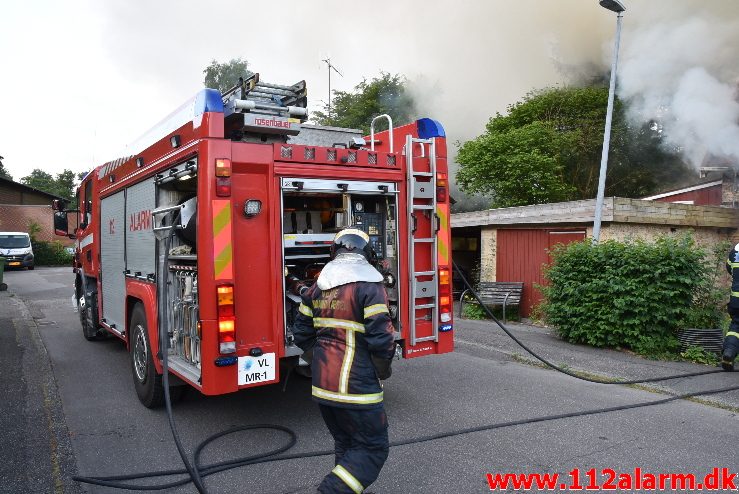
[[629, 294], [50, 254]]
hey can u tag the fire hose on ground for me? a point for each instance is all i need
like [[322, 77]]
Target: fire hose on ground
[[196, 472]]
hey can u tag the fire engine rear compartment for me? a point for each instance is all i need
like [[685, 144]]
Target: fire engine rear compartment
[[137, 223], [177, 188], [313, 210]]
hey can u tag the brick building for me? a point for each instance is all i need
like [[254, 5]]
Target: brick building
[[20, 205], [512, 244]]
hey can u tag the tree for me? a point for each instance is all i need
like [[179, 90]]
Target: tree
[[41, 180], [548, 149], [520, 166], [3, 172], [356, 109], [63, 185], [224, 76], [33, 230]]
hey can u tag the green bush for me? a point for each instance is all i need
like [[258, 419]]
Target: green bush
[[708, 309], [50, 254], [473, 311], [700, 356], [630, 294]]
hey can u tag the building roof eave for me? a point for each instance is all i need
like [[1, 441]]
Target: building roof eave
[[683, 190], [615, 209], [29, 188]]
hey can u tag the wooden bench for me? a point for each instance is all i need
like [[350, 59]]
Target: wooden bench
[[503, 293]]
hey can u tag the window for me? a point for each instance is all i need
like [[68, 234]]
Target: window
[[79, 209], [14, 241], [88, 202]]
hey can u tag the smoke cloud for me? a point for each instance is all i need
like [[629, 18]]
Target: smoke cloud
[[466, 60], [473, 59], [679, 69]]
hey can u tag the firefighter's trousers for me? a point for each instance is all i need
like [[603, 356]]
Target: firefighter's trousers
[[361, 446], [731, 342]]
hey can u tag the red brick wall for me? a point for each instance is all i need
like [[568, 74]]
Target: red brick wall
[[17, 219]]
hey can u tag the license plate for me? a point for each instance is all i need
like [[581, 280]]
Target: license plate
[[257, 369], [14, 264]]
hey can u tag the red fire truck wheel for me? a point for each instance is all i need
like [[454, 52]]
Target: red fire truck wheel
[[89, 329], [147, 382]]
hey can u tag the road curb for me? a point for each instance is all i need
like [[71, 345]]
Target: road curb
[[474, 348], [44, 403]]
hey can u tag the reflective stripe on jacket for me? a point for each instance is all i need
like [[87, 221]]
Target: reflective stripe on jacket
[[732, 266], [345, 326]]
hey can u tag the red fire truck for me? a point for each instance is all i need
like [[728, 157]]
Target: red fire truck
[[222, 213]]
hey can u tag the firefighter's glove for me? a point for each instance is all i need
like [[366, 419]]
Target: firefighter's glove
[[307, 356], [383, 367]]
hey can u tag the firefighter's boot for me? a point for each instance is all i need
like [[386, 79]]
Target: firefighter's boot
[[731, 347], [727, 360]]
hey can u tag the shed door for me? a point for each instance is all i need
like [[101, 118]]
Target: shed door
[[521, 254]]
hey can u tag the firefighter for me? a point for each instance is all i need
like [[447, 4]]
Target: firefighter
[[344, 329], [731, 342]]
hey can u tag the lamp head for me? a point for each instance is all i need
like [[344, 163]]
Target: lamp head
[[612, 5]]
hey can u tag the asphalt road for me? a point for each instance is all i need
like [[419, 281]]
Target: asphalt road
[[111, 433]]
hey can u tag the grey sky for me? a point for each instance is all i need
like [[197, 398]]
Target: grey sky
[[83, 78]]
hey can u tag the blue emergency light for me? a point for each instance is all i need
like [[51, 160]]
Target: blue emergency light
[[428, 128], [207, 100], [224, 361]]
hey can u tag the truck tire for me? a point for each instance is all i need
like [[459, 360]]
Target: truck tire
[[89, 330], [146, 380]]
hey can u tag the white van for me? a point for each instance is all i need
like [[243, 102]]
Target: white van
[[15, 247]]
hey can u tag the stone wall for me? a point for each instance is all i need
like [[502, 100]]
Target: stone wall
[[488, 248], [730, 191], [615, 209], [705, 236]]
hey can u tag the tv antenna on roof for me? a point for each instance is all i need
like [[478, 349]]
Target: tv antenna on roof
[[330, 68]]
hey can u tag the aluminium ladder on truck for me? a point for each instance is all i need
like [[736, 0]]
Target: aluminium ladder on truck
[[424, 224], [254, 96]]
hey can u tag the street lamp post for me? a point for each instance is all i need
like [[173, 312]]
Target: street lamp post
[[618, 7]]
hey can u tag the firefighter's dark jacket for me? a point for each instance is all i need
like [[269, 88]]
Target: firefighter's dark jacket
[[732, 266], [349, 332]]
